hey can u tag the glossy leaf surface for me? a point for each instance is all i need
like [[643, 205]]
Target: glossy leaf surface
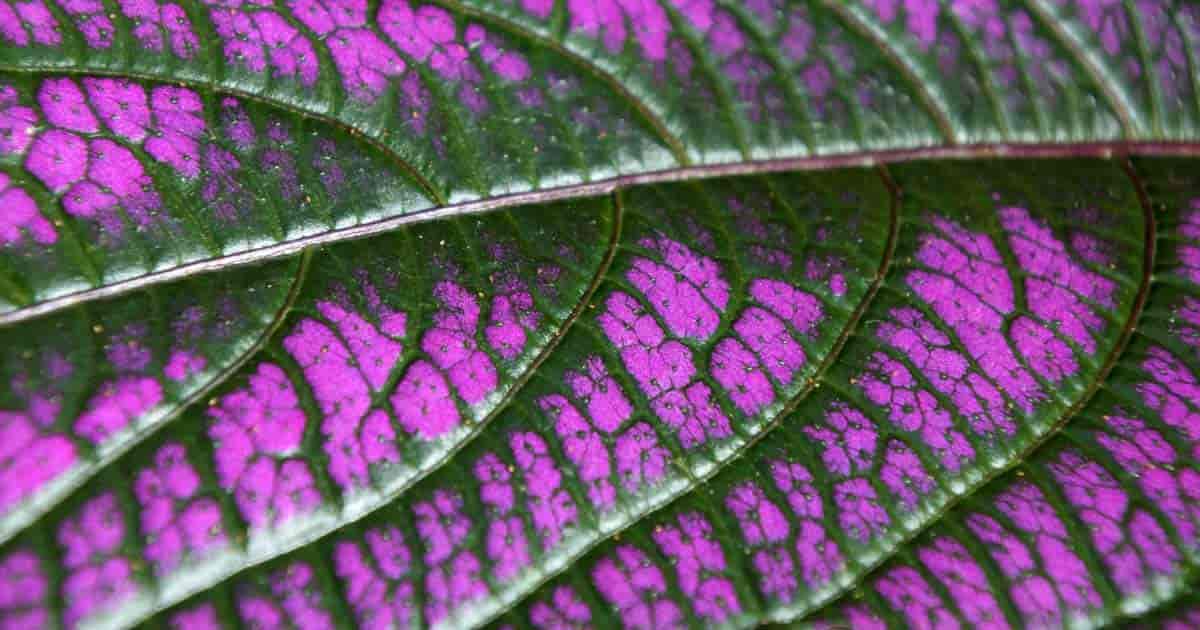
[[335, 313]]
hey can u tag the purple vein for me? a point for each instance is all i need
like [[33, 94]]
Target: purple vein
[[1105, 150]]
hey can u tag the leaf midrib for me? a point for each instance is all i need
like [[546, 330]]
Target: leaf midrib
[[1117, 149]]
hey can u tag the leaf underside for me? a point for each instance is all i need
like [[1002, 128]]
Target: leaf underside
[[336, 313]]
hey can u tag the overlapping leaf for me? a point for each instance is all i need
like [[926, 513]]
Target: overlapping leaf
[[935, 394]]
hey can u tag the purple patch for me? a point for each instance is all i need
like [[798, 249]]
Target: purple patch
[[115, 406], [453, 572], [921, 18], [429, 35], [58, 159], [24, 591], [91, 18], [513, 316], [697, 556], [178, 115], [1145, 453], [663, 369], [686, 290], [608, 20], [174, 520], [550, 506], [904, 474], [819, 554], [889, 384], [364, 62], [21, 216], [258, 38], [974, 396], [849, 439], [970, 290], [641, 461], [505, 539], [376, 578], [1046, 576], [255, 430], [1171, 391], [31, 455], [860, 514], [907, 592], [965, 580], [452, 346], [18, 123], [122, 105], [584, 447], [343, 370], [65, 107], [423, 403], [564, 610], [1055, 284], [17, 19], [608, 407], [1132, 544], [158, 24], [765, 528], [200, 617], [97, 577], [636, 589], [293, 600]]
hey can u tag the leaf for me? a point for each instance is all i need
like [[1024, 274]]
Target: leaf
[[466, 351], [85, 385]]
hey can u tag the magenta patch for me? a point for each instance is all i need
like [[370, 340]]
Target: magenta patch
[[765, 528], [161, 26], [1046, 577], [364, 62], [18, 123], [343, 369], [636, 589], [24, 590], [1130, 541], [98, 577], [818, 554], [174, 520], [376, 579], [1145, 453], [1056, 285], [452, 575], [970, 290], [550, 506], [563, 610], [950, 562], [21, 217], [256, 431], [91, 18], [974, 396], [505, 543], [889, 384], [907, 592], [29, 22], [697, 556], [255, 39], [293, 599], [115, 406]]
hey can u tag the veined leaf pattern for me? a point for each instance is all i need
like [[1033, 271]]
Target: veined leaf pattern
[[599, 313]]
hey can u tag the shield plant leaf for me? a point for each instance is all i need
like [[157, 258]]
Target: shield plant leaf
[[599, 313]]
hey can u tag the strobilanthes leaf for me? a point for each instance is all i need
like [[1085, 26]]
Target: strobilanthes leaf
[[599, 313]]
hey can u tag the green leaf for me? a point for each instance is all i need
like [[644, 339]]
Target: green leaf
[[621, 313]]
